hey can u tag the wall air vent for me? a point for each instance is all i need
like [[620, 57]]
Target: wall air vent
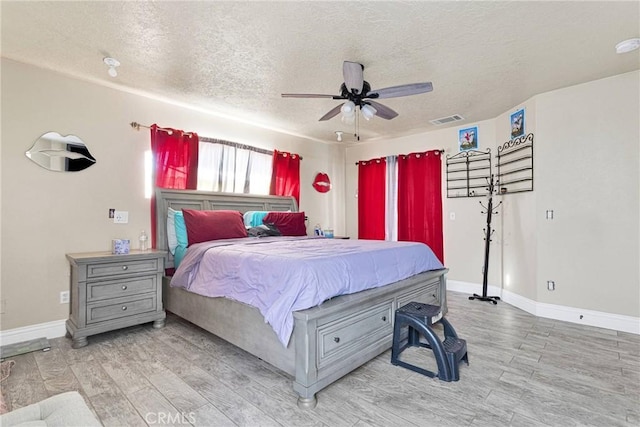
[[444, 120]]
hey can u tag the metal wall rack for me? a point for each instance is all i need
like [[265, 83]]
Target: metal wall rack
[[515, 165], [468, 173]]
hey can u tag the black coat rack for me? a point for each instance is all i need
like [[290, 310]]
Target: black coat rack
[[489, 210]]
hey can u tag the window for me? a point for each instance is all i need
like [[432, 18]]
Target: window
[[224, 168], [233, 170]]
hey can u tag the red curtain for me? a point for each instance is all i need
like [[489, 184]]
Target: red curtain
[[420, 200], [285, 175], [371, 199], [175, 164]]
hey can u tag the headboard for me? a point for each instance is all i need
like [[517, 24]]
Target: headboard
[[205, 200]]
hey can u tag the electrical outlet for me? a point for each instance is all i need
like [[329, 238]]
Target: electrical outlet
[[551, 285], [121, 217], [452, 216], [64, 297]]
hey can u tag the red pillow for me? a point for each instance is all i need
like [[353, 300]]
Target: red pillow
[[203, 226], [289, 223]]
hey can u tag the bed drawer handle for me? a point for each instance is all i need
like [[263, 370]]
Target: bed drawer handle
[[124, 287], [336, 339], [124, 308], [384, 318], [124, 267]]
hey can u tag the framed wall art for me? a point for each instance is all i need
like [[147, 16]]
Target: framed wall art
[[468, 139], [517, 123]]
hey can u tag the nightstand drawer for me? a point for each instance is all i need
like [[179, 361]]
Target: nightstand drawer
[[120, 307], [122, 267], [97, 291]]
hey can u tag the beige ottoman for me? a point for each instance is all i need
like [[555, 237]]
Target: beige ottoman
[[63, 410]]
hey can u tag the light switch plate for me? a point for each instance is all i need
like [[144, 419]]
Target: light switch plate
[[121, 217]]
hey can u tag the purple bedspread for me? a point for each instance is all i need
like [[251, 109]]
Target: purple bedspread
[[280, 275]]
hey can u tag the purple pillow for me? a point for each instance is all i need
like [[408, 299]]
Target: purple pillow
[[203, 226], [289, 223]]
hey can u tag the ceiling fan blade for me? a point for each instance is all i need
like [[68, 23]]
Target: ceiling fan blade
[[353, 78], [383, 111], [332, 113], [402, 90], [309, 95]]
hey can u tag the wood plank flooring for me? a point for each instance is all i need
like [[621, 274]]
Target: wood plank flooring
[[524, 371]]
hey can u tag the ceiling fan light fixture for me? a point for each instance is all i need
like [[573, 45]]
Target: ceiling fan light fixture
[[628, 45], [348, 108], [348, 119], [368, 112]]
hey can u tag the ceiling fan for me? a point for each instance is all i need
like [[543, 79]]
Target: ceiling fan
[[358, 94]]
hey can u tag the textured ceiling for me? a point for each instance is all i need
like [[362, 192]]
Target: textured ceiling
[[236, 58]]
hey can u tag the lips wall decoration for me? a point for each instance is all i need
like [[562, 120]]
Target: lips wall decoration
[[60, 153], [322, 183]]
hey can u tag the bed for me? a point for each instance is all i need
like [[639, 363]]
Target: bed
[[328, 341]]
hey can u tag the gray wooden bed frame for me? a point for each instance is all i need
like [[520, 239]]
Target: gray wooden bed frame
[[328, 341]]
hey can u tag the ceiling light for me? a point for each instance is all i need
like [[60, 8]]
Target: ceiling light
[[628, 45], [348, 119], [368, 112], [112, 63], [348, 108], [339, 136]]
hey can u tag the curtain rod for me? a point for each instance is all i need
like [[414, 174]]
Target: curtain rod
[[440, 150], [137, 126]]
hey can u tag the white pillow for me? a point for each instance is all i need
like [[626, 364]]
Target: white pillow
[[171, 231]]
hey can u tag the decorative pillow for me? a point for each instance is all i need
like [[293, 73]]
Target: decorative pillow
[[172, 240], [289, 223], [181, 230], [254, 218], [203, 226], [181, 251]]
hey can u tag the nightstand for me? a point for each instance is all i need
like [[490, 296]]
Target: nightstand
[[114, 291]]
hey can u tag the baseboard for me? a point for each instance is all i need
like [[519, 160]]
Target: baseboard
[[47, 330], [580, 316]]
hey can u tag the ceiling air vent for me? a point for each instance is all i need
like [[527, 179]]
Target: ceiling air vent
[[442, 121]]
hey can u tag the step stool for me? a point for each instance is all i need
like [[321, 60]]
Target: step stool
[[419, 317]]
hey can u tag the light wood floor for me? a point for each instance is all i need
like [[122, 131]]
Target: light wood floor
[[524, 371]]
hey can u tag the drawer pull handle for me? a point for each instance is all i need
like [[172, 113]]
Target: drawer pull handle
[[384, 318], [124, 267], [336, 339], [124, 308], [124, 287]]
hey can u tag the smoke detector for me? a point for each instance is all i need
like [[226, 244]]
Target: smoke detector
[[112, 63], [628, 45]]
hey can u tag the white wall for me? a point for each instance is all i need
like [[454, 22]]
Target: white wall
[[46, 214], [587, 171]]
